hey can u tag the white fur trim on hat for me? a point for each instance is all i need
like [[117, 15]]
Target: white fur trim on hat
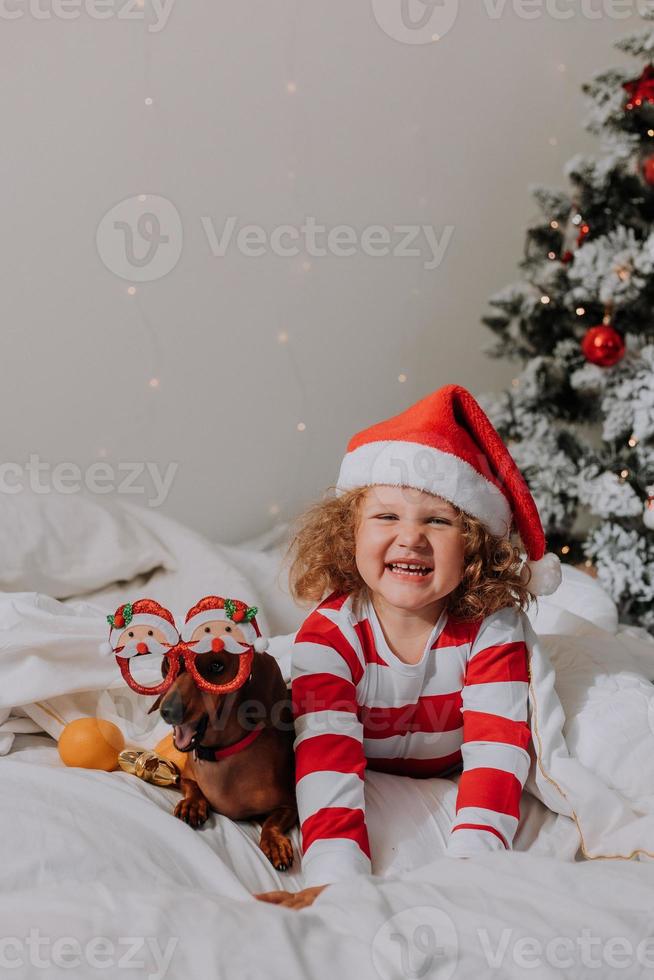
[[146, 619], [410, 464], [546, 574], [210, 616], [105, 649], [261, 644]]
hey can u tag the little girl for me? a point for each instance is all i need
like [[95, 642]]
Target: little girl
[[414, 662]]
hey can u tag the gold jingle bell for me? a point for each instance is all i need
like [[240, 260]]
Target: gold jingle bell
[[149, 766]]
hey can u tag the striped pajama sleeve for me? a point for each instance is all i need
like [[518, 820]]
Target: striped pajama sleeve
[[496, 737], [329, 757]]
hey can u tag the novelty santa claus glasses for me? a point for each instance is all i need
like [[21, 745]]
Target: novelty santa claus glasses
[[148, 646]]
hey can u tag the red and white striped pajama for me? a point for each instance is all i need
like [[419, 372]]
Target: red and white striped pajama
[[357, 706]]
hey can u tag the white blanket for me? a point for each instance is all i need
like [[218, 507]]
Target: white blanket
[[98, 871], [107, 846]]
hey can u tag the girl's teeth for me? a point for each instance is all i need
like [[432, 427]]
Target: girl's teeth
[[415, 570]]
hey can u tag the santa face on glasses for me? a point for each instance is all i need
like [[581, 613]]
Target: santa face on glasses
[[217, 636], [141, 627], [141, 639], [215, 624]]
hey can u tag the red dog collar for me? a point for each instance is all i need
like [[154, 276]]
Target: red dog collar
[[209, 754]]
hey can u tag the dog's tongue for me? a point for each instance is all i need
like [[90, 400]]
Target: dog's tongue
[[183, 735]]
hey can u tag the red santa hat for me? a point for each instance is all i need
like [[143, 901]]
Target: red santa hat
[[214, 607], [143, 612], [446, 445]]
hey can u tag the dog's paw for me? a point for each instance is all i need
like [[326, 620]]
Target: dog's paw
[[192, 811], [278, 849]]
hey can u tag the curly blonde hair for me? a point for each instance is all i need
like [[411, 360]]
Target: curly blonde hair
[[322, 560]]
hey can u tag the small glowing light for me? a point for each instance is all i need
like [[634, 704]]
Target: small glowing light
[[142, 197], [580, 311], [282, 337], [148, 100], [585, 229], [273, 510], [291, 88], [624, 474], [551, 255], [588, 563], [577, 219], [554, 224], [544, 300], [565, 549], [401, 378], [553, 141], [301, 427], [633, 441], [306, 267], [154, 382], [131, 290]]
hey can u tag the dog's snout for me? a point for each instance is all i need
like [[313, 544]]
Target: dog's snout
[[172, 710]]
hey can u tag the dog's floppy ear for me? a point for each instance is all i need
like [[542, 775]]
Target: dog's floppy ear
[[155, 705]]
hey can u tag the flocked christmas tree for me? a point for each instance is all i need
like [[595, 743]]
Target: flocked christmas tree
[[579, 417]]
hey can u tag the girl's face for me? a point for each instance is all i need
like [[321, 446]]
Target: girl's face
[[400, 526]]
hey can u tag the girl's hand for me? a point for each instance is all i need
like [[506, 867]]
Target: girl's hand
[[292, 900]]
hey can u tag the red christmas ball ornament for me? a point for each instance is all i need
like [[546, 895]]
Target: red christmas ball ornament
[[238, 616], [603, 345], [567, 257], [648, 170], [640, 89]]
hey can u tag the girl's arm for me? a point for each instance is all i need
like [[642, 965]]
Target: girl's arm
[[496, 737], [329, 757]]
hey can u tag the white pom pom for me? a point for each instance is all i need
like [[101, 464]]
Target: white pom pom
[[260, 644], [105, 649], [545, 575]]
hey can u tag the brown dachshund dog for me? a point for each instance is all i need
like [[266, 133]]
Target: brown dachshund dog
[[241, 761]]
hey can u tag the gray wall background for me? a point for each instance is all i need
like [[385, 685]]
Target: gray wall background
[[268, 113]]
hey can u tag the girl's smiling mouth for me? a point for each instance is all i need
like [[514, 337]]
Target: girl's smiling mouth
[[409, 570]]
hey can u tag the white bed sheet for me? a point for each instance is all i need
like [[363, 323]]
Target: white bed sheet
[[89, 854], [97, 857]]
